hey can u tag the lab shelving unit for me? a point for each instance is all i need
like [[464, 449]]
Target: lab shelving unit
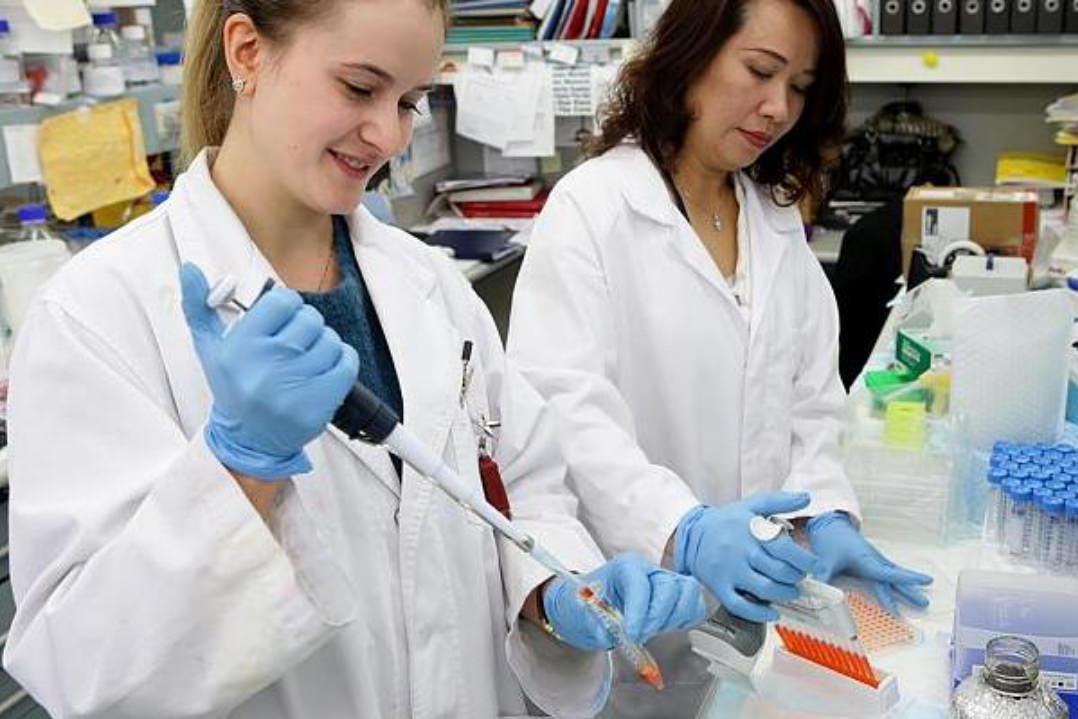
[[149, 97], [1022, 59]]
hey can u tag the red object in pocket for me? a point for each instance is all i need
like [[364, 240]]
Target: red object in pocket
[[493, 487]]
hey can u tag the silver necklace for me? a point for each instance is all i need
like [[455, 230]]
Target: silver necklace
[[717, 220]]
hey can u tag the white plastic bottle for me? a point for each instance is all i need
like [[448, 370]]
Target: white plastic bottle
[[169, 63], [137, 57], [14, 89], [104, 76]]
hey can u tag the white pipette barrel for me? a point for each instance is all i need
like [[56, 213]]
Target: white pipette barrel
[[407, 446], [365, 417]]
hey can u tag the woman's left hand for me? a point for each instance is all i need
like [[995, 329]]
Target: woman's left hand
[[841, 549]]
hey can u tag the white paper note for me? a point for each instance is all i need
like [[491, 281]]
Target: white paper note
[[20, 142], [541, 142], [481, 56], [430, 146], [572, 90], [479, 97]]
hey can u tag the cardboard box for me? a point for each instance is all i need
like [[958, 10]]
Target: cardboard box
[[1000, 219]]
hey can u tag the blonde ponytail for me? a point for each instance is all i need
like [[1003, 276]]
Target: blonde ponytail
[[206, 106]]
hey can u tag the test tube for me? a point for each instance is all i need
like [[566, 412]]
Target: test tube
[[1052, 455], [1035, 550], [1021, 458], [1071, 531], [1019, 525], [1052, 535], [1056, 486], [992, 511]]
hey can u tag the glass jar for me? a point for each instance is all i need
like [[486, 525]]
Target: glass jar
[[1008, 686]]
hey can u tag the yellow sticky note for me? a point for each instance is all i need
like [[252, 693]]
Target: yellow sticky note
[[92, 157], [904, 425]]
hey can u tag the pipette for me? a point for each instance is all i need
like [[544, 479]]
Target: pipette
[[365, 417]]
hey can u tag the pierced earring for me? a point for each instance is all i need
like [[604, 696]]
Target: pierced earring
[[238, 84]]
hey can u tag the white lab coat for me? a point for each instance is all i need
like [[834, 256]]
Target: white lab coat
[[667, 395], [147, 585]]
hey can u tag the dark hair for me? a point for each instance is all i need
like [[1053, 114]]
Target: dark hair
[[648, 102]]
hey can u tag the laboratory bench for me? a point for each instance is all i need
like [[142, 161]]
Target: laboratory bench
[[922, 667]]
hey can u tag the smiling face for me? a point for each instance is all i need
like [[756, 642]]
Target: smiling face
[[333, 105], [753, 91]]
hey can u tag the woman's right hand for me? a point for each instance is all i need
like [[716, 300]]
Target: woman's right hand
[[651, 600], [277, 377]]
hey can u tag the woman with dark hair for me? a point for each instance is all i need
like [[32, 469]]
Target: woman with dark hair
[[671, 311]]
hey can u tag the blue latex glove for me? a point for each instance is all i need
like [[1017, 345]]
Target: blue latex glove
[[277, 377], [715, 545], [651, 599], [842, 550]]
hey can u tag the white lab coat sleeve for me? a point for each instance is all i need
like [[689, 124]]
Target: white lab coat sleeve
[[561, 680], [818, 412], [562, 337], [146, 584]]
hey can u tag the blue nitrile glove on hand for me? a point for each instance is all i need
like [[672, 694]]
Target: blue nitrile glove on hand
[[715, 545], [277, 376], [842, 550], [651, 599]]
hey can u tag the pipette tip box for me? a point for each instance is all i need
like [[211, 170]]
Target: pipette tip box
[[856, 698]]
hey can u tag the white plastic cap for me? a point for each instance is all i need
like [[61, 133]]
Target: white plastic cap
[[133, 32], [99, 51]]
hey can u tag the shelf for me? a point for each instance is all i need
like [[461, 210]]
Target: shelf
[[148, 97], [959, 59], [1022, 59]]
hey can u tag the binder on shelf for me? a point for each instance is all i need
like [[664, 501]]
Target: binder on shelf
[[971, 17], [610, 19], [1023, 16], [918, 17], [483, 245], [893, 17], [1070, 17], [945, 17], [1050, 16], [997, 19]]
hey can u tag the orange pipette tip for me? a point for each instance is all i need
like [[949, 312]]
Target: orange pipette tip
[[652, 676]]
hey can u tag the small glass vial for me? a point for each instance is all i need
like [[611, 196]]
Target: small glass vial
[[104, 76], [170, 64], [1018, 531], [1036, 548], [993, 511], [1071, 536], [137, 56], [1052, 535], [1008, 686]]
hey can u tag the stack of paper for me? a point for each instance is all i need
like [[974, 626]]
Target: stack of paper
[[497, 198], [480, 21], [510, 109]]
